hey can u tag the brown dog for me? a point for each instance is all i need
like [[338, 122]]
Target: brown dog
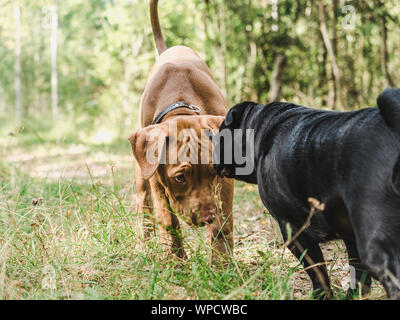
[[183, 189]]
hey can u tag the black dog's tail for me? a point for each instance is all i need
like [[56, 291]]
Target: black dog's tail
[[389, 106]]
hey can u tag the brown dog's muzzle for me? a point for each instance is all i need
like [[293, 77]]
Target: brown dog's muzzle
[[206, 215], [207, 219]]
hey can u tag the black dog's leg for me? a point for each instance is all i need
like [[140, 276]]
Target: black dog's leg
[[382, 259], [313, 261], [378, 247], [362, 276]]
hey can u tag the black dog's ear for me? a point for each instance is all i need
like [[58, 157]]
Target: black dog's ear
[[230, 117], [236, 112]]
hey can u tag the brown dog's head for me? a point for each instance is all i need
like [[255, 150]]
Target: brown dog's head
[[178, 154]]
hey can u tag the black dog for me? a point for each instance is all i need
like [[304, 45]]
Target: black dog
[[349, 161]]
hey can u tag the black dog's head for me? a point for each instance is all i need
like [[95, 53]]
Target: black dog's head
[[232, 153]]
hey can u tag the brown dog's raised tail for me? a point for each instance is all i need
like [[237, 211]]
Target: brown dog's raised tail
[[155, 23]]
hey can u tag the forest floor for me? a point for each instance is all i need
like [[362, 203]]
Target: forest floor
[[68, 231]]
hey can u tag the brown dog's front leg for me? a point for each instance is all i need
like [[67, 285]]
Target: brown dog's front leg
[[220, 236], [144, 205], [220, 233], [170, 234]]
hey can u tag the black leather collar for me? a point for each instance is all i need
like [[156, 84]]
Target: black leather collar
[[174, 106]]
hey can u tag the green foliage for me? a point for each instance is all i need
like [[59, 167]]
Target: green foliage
[[106, 51]]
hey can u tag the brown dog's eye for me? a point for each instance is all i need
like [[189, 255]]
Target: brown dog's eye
[[180, 178]]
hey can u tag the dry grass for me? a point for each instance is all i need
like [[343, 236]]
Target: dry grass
[[68, 231]]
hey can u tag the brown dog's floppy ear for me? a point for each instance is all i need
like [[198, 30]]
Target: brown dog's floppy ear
[[147, 145], [214, 122]]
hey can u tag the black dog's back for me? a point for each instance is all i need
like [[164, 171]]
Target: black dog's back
[[312, 153], [347, 160]]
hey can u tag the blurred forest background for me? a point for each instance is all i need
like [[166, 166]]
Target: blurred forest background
[[84, 64]]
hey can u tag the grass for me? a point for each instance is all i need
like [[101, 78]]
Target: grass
[[68, 231]]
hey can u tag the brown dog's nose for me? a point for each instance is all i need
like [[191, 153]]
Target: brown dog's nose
[[207, 219], [207, 214]]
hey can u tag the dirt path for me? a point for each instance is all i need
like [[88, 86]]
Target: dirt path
[[76, 162], [255, 232]]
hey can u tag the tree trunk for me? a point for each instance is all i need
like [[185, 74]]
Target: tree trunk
[[205, 24], [333, 8], [223, 48], [252, 64], [54, 49], [17, 65], [325, 75], [337, 90], [276, 80], [218, 25], [332, 56], [246, 81], [384, 51], [36, 105]]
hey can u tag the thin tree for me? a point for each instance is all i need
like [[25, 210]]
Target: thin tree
[[331, 53], [276, 79], [218, 24], [384, 47], [17, 65], [54, 53]]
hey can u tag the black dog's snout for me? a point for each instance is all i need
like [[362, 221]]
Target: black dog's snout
[[217, 170], [224, 173], [220, 171]]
